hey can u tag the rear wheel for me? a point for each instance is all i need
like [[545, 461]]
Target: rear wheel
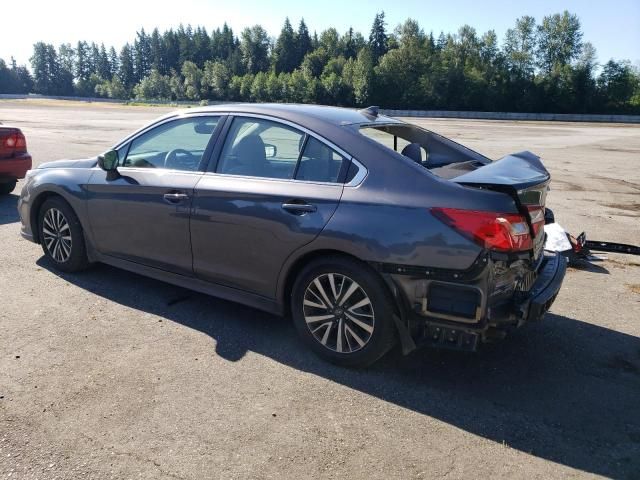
[[342, 310], [7, 187], [61, 236]]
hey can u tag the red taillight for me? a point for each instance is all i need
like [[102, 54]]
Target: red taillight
[[21, 142], [13, 141], [505, 232]]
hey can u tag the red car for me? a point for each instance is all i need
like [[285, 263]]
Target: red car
[[14, 158]]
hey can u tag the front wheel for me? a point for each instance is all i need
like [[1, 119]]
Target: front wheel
[[342, 310], [61, 235]]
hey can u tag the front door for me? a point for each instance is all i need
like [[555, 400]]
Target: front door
[[273, 191], [142, 215]]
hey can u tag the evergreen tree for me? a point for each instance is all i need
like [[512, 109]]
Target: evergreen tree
[[303, 42], [104, 64], [94, 57], [170, 51], [126, 71], [141, 55], [201, 46], [113, 62], [378, 39], [157, 60], [83, 61], [284, 52]]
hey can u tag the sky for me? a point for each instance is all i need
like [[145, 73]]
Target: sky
[[613, 27]]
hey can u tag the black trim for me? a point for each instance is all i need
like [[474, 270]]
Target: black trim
[[214, 157], [300, 154], [206, 155], [470, 273]]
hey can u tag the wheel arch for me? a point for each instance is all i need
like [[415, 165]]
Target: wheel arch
[[292, 272], [34, 212]]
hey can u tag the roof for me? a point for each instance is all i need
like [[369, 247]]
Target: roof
[[299, 112]]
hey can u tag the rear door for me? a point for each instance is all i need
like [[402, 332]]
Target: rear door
[[142, 215], [273, 190]]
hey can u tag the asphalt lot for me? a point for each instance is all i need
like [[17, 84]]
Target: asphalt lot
[[107, 374]]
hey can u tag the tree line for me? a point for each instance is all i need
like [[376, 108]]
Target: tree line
[[538, 67]]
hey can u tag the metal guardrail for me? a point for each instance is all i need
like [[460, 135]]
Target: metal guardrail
[[559, 117]]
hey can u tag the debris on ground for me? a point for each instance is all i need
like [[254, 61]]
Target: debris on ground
[[577, 249]]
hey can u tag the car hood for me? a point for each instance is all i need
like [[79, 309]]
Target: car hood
[[83, 163]]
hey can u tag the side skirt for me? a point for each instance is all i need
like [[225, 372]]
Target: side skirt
[[215, 290]]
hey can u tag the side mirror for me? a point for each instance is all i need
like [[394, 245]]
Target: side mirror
[[108, 161], [270, 151]]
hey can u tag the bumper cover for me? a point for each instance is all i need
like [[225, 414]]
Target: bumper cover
[[15, 168], [520, 309], [545, 289]]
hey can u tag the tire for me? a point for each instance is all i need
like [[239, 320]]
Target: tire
[[61, 236], [7, 187], [353, 328]]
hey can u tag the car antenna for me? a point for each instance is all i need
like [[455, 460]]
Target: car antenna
[[371, 111]]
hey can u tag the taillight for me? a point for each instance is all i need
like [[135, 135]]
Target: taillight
[[505, 232], [537, 219], [13, 141]]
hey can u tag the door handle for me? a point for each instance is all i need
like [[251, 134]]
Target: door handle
[[299, 208], [175, 197]]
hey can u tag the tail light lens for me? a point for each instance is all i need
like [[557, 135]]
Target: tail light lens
[[504, 232], [12, 141]]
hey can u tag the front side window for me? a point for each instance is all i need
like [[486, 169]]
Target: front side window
[[177, 145], [256, 147]]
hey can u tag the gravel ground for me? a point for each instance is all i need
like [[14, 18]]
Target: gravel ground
[[107, 374]]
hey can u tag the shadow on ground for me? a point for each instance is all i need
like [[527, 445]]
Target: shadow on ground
[[562, 390], [9, 209]]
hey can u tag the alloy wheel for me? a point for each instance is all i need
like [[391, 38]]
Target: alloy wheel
[[338, 313], [57, 235]]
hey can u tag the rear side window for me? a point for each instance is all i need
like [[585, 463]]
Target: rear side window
[[256, 147], [319, 163]]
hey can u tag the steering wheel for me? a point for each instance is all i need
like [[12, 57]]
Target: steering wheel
[[172, 156]]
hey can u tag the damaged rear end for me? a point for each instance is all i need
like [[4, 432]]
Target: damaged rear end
[[513, 280]]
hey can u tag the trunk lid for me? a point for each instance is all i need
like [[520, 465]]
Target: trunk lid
[[522, 176], [518, 171]]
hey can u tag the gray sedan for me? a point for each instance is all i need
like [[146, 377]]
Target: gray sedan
[[366, 230]]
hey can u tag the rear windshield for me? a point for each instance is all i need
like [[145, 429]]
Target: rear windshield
[[427, 148]]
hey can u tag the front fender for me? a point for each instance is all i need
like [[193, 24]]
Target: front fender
[[69, 184]]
